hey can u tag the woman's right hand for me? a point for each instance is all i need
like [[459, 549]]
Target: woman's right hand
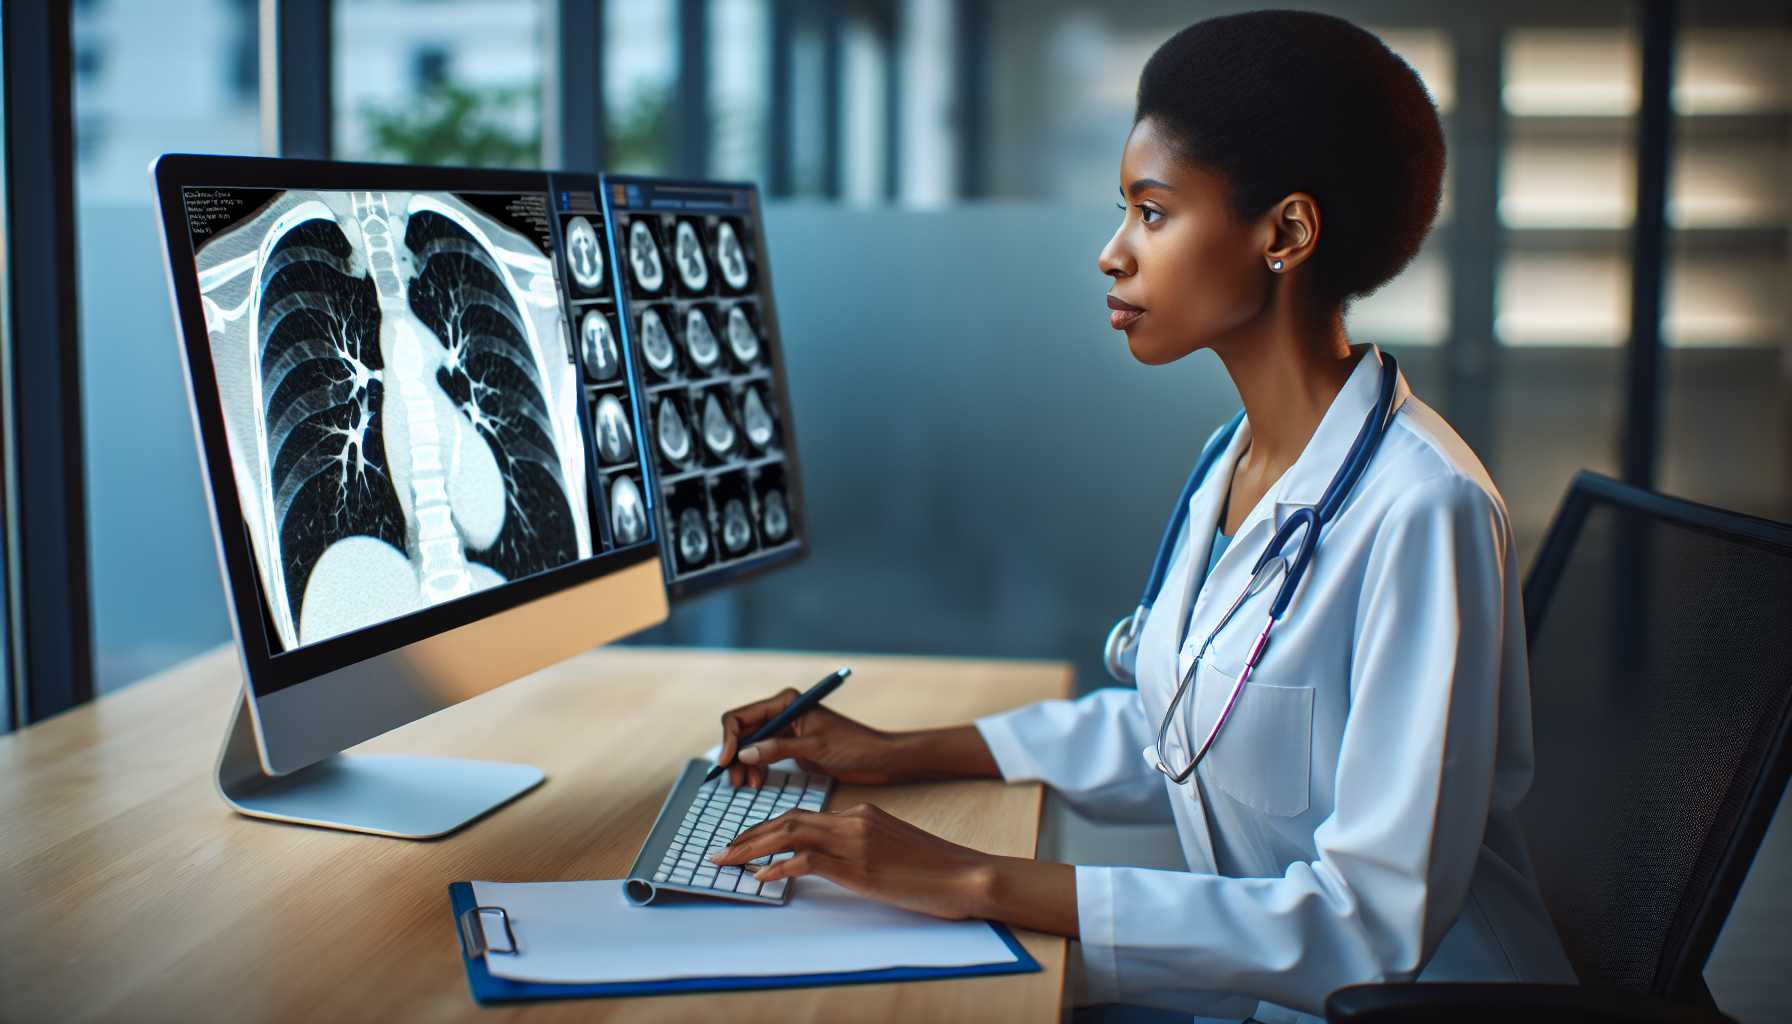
[[822, 741]]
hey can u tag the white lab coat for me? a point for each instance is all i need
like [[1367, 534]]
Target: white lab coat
[[1354, 821]]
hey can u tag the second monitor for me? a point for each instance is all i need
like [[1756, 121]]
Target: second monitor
[[696, 312]]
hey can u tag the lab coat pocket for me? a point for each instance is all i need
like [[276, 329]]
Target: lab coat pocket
[[1264, 753]]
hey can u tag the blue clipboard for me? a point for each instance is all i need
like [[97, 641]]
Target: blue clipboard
[[490, 990]]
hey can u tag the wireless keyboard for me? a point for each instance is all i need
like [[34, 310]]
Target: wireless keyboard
[[699, 819]]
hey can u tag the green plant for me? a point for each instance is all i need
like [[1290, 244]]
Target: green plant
[[455, 124]]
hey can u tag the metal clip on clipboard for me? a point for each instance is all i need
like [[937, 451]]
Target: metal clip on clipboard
[[473, 940]]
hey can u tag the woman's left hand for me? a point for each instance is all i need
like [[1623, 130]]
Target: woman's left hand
[[872, 853]]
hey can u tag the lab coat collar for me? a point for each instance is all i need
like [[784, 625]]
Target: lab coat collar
[[1205, 507], [1304, 483], [1300, 486]]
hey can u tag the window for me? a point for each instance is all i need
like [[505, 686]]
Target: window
[[739, 76], [1728, 323], [8, 699], [640, 72], [439, 81], [1567, 186], [158, 79]]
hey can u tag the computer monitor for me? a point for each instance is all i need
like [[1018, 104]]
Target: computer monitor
[[697, 317], [419, 492]]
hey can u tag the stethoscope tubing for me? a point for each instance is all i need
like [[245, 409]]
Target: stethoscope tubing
[[1309, 522]]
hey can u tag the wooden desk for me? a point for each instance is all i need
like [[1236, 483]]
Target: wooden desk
[[129, 891]]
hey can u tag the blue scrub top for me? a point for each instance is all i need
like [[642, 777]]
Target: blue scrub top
[[1220, 543]]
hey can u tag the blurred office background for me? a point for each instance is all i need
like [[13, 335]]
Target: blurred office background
[[986, 469]]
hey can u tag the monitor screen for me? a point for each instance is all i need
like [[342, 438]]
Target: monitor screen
[[408, 420], [698, 315]]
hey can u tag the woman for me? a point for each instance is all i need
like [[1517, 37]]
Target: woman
[[1354, 822]]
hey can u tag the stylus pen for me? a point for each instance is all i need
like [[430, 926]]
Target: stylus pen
[[797, 709]]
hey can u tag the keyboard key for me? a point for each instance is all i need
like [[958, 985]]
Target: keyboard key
[[748, 885], [704, 876], [775, 889], [659, 876], [786, 855], [682, 876]]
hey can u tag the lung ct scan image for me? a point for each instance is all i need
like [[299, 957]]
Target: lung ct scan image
[[401, 411]]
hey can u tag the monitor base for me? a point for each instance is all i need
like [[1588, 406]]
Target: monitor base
[[401, 796]]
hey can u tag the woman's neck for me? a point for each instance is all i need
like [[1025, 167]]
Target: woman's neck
[[1287, 370]]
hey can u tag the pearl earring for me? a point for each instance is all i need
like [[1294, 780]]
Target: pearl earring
[[1275, 264]]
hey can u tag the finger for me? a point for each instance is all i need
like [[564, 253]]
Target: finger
[[744, 719], [796, 836], [807, 862], [777, 748], [737, 774], [785, 823]]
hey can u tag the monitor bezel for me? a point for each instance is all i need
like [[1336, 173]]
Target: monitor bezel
[[683, 589], [270, 671]]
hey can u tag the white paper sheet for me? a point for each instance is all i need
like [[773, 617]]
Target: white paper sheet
[[570, 932]]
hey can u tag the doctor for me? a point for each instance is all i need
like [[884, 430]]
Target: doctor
[[1353, 819]]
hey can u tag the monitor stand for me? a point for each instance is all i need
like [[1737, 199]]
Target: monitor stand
[[382, 794]]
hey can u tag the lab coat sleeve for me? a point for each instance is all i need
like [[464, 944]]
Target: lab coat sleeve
[[1086, 750], [1413, 784]]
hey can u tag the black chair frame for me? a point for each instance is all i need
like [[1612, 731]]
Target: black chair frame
[[1680, 993]]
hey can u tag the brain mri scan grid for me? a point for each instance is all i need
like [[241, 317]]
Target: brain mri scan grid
[[619, 496], [405, 417], [713, 416]]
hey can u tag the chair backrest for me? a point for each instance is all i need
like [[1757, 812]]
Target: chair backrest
[[1661, 683]]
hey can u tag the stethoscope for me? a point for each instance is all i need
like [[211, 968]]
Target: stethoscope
[[1123, 639]]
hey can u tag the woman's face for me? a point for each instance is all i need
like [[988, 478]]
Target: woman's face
[[1191, 268]]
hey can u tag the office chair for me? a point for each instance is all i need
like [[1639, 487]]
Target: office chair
[[1661, 687]]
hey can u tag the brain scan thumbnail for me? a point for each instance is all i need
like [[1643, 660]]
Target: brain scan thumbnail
[[644, 256], [584, 254], [693, 537], [597, 346], [718, 429], [628, 513], [737, 528], [774, 517], [687, 252], [700, 341], [743, 340], [615, 441], [756, 420], [674, 436], [656, 343], [400, 414], [733, 257]]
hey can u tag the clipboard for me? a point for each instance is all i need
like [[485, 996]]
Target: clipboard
[[488, 989]]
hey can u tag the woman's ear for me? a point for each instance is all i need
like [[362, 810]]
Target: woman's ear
[[1294, 232]]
